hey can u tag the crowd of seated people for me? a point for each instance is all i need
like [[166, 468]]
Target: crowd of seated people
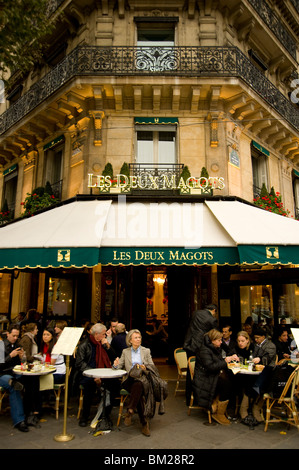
[[99, 347]]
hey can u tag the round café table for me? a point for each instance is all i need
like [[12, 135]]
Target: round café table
[[32, 373], [104, 373]]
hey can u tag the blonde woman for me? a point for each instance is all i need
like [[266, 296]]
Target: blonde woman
[[135, 354]]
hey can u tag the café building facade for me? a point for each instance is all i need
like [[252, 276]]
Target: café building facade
[[194, 109]]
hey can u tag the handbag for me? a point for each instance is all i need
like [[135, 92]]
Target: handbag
[[136, 372]]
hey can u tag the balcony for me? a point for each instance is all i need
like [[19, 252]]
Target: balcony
[[93, 61], [273, 22]]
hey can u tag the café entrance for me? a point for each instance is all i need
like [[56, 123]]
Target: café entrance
[[158, 300]]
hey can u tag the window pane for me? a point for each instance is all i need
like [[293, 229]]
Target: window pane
[[145, 147], [166, 148]]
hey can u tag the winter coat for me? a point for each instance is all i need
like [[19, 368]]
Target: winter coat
[[208, 365], [202, 321], [155, 390], [266, 352]]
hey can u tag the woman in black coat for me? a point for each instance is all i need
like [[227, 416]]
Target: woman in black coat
[[212, 377]]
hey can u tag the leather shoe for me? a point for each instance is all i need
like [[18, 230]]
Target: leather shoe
[[22, 427], [15, 384], [145, 430], [128, 419]]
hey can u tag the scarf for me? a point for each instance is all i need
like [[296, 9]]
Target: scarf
[[34, 347], [102, 358]]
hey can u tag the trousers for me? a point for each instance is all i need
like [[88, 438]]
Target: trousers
[[15, 400]]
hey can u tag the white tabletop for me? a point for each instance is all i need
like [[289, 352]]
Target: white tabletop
[[243, 371], [104, 373], [45, 371]]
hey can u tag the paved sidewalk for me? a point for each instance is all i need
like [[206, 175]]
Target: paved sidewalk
[[174, 431]]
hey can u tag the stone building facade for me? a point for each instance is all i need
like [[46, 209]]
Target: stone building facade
[[203, 84]]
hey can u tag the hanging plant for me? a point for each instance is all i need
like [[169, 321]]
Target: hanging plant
[[5, 215], [271, 202], [40, 198]]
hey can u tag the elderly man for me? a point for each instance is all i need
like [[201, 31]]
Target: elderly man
[[12, 357], [94, 352]]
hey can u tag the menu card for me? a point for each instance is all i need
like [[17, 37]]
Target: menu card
[[295, 333], [68, 341]]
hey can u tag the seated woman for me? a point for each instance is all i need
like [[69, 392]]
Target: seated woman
[[212, 379], [48, 341], [244, 351], [282, 344], [135, 354]]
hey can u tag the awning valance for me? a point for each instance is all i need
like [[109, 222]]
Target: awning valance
[[88, 232]]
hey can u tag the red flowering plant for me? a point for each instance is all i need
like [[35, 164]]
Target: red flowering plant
[[5, 215], [271, 202], [40, 198]]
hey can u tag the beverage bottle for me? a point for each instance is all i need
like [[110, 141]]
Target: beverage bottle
[[24, 362]]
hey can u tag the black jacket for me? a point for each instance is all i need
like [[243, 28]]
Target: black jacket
[[209, 363], [9, 362], [84, 355], [202, 321]]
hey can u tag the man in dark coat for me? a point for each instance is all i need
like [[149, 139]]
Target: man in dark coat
[[10, 356], [202, 321]]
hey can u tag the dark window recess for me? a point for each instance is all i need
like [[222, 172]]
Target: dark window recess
[[57, 55], [257, 60], [15, 94]]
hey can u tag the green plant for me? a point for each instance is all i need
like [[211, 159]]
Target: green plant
[[271, 202], [185, 173], [204, 173], [39, 199], [108, 170], [125, 170]]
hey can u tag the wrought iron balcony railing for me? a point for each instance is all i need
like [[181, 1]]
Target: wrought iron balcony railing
[[151, 61], [156, 176], [273, 22]]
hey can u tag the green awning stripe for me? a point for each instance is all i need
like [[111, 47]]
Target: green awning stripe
[[260, 148], [169, 256], [9, 170], [264, 254], [296, 173], [54, 142], [20, 258], [155, 120]]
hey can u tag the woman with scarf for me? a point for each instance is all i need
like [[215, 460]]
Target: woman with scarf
[[94, 352], [31, 397]]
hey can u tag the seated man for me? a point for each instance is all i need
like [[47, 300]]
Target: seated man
[[94, 352], [12, 357], [228, 344], [264, 352]]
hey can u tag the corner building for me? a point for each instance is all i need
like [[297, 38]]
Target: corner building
[[199, 84]]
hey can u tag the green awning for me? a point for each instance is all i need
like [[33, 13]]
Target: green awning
[[85, 233], [268, 254], [260, 148], [16, 258], [156, 120]]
